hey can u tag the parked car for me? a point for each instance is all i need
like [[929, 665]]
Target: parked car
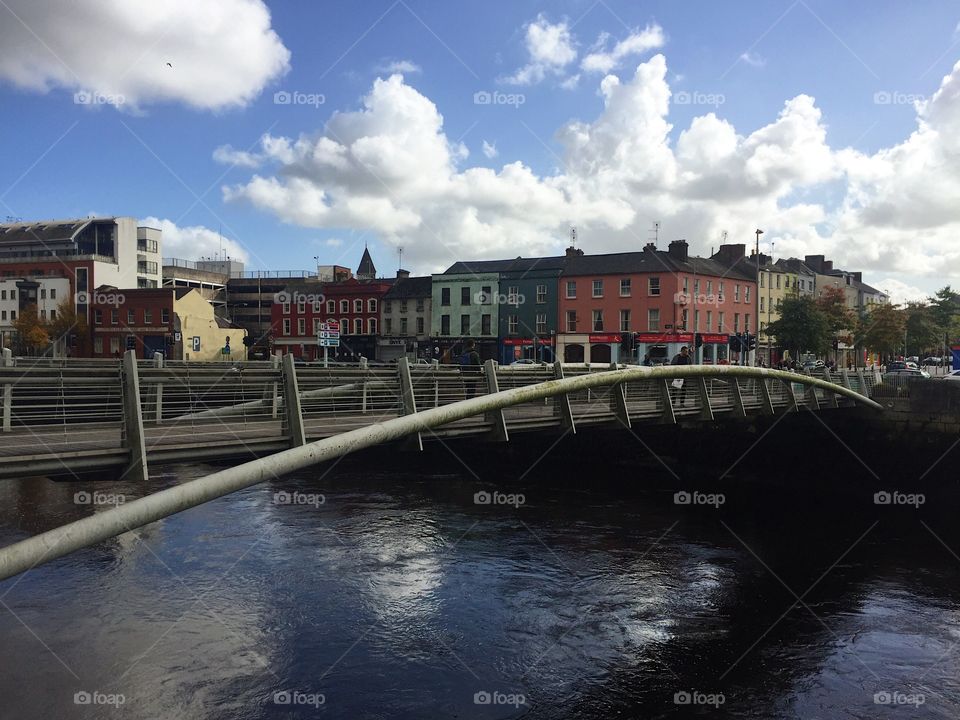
[[913, 359], [905, 371], [525, 363], [813, 365], [953, 376], [932, 362]]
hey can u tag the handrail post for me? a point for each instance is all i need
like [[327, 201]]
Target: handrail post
[[669, 416], [7, 392], [861, 376], [766, 402], [845, 378], [291, 402], [618, 395], [791, 397], [274, 391], [158, 397], [833, 400], [133, 419], [739, 410], [706, 411], [562, 402], [499, 432], [408, 400]]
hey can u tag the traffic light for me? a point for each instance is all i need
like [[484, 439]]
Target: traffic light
[[751, 342], [836, 344], [248, 341], [626, 342], [698, 340], [735, 345], [131, 342]]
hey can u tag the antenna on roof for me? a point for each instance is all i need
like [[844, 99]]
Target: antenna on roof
[[723, 236], [655, 232], [399, 258], [573, 236]]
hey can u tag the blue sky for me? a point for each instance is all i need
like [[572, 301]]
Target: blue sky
[[153, 156]]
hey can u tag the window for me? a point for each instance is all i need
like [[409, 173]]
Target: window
[[302, 326], [571, 289], [403, 326], [419, 304], [686, 285], [43, 293], [13, 294], [331, 307], [762, 303], [286, 326], [316, 326], [696, 321], [286, 308], [97, 344], [541, 294], [746, 293], [541, 323], [316, 306], [597, 321], [513, 295], [736, 293], [388, 326], [571, 320], [372, 305], [684, 318], [444, 324], [464, 324], [513, 324], [358, 308], [164, 315], [445, 296], [720, 291], [778, 281], [358, 326], [736, 322], [3, 314], [301, 306], [598, 288], [344, 326], [746, 322], [403, 306], [114, 345], [13, 314], [147, 316], [344, 306], [131, 317], [720, 322], [624, 287], [709, 287], [465, 295], [485, 324], [763, 278], [3, 294], [696, 287], [420, 325], [653, 319], [653, 286], [114, 317], [372, 326], [624, 321], [97, 317]]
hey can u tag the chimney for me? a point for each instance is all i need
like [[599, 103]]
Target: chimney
[[401, 274], [730, 254], [573, 252], [678, 250], [650, 247], [827, 266], [858, 276], [814, 262]]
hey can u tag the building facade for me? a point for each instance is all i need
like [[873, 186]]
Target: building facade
[[405, 319], [463, 308]]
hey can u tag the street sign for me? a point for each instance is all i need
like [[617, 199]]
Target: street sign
[[196, 343]]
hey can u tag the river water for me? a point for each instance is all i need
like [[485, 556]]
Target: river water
[[367, 592]]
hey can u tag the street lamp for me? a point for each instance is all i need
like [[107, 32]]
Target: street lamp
[[758, 233]]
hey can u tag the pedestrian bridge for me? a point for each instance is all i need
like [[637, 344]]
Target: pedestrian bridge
[[128, 416]]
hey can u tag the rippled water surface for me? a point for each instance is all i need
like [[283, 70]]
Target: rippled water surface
[[398, 596]]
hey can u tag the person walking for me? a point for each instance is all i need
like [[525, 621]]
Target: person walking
[[470, 367], [678, 386]]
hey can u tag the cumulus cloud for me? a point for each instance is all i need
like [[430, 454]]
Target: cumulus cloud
[[753, 59], [193, 242], [901, 292], [399, 66], [604, 59], [390, 168], [551, 48], [490, 149], [228, 156], [221, 53]]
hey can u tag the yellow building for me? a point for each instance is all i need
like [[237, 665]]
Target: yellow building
[[204, 335], [776, 284]]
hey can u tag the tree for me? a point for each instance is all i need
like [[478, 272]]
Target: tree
[[66, 324], [923, 331], [31, 331], [882, 329], [945, 305], [802, 326], [833, 304]]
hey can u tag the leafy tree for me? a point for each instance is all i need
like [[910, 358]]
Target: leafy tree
[[882, 329], [802, 326], [945, 305], [833, 304], [923, 331], [66, 324], [31, 331]]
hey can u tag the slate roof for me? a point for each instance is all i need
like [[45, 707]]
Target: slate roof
[[652, 261], [518, 264], [366, 267], [410, 287], [47, 231]]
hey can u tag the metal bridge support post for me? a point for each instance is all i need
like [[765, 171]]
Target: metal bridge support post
[[562, 402], [409, 401], [791, 398], [291, 403], [274, 390], [813, 402], [499, 432], [618, 401], [133, 419], [832, 401], [7, 361], [669, 416], [862, 377], [706, 412], [766, 402], [739, 410], [363, 363], [158, 397], [845, 379]]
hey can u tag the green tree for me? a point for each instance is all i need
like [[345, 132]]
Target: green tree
[[802, 326], [31, 331], [66, 324], [833, 304], [923, 331], [882, 329]]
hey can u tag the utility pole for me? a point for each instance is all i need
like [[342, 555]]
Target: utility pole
[[758, 232]]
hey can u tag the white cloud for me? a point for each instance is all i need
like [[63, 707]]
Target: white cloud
[[333, 242], [228, 156], [221, 53], [901, 292], [193, 242], [399, 66], [490, 149], [638, 42], [551, 48], [753, 59], [390, 168], [571, 82]]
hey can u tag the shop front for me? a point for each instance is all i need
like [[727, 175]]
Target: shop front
[[537, 349], [715, 349], [589, 347], [661, 348]]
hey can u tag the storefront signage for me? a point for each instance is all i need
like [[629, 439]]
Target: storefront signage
[[605, 338]]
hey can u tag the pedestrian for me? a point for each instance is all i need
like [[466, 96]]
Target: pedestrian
[[678, 386], [647, 361], [470, 368]]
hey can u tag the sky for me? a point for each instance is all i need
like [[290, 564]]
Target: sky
[[293, 133]]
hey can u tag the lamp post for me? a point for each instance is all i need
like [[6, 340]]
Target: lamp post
[[758, 233]]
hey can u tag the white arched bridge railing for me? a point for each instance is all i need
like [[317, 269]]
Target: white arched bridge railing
[[47, 546]]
